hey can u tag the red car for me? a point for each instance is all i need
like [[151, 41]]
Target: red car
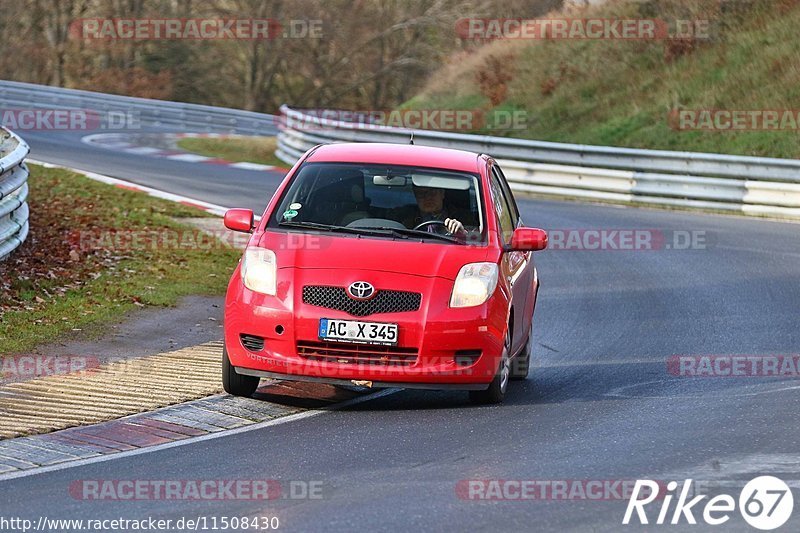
[[384, 265]]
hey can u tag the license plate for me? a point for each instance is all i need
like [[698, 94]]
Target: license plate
[[358, 332]]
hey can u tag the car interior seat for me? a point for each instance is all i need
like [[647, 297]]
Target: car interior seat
[[336, 199], [360, 205]]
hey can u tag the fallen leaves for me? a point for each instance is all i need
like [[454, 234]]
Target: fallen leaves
[[53, 261]]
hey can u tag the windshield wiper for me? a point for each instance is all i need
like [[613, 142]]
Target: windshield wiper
[[332, 228], [403, 233], [420, 233]]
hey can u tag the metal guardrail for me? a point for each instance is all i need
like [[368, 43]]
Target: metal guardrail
[[145, 112], [13, 192], [16, 98], [748, 185]]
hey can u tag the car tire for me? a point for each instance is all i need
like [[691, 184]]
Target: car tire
[[234, 383], [521, 363], [497, 388]]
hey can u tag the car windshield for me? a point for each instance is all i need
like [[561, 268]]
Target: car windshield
[[399, 200]]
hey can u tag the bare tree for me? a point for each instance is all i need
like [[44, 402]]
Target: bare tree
[[372, 53]]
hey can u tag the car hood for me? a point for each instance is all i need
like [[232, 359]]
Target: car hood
[[350, 252]]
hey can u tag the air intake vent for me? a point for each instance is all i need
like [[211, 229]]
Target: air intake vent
[[466, 357], [355, 354], [252, 343]]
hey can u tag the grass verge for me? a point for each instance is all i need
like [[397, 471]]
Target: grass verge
[[96, 251], [624, 93], [237, 149]]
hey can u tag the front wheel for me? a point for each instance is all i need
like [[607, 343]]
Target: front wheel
[[236, 384], [497, 388]]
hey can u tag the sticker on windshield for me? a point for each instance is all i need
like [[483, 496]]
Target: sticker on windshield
[[295, 206], [290, 214]]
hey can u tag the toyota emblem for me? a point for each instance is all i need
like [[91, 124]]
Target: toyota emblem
[[361, 290]]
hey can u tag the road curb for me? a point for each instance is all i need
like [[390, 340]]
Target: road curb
[[109, 391], [120, 142], [214, 209], [199, 420]]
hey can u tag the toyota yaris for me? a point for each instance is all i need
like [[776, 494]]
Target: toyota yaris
[[384, 265]]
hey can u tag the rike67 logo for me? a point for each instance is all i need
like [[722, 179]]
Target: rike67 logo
[[765, 503]]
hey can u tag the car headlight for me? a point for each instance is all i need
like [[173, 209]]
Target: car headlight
[[474, 284], [260, 270]]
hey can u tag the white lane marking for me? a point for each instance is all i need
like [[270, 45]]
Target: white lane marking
[[103, 138], [756, 251], [192, 440], [208, 207], [746, 464], [251, 166], [143, 150], [606, 362], [623, 392], [727, 471], [189, 158], [117, 145]]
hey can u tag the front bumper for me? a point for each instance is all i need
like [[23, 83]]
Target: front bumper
[[361, 382], [437, 334]]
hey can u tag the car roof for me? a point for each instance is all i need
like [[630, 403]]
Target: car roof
[[396, 154]]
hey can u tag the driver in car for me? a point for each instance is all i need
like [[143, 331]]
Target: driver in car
[[430, 207]]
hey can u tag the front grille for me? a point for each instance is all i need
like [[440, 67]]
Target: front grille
[[335, 352], [252, 343], [382, 302]]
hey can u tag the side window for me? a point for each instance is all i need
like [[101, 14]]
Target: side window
[[508, 194], [501, 207]]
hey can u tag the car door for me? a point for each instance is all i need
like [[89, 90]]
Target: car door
[[527, 281], [514, 265]]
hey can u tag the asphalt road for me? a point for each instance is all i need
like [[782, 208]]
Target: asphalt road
[[600, 403], [230, 187]]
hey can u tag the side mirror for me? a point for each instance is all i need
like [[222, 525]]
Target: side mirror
[[528, 240], [239, 220]]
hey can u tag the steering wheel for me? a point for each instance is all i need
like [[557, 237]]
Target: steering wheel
[[430, 223]]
